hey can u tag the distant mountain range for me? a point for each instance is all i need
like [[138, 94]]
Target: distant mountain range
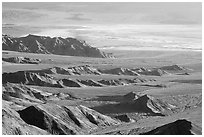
[[48, 45]]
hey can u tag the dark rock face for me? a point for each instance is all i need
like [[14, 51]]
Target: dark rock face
[[109, 82], [63, 120], [22, 60], [70, 83], [149, 105], [12, 124], [179, 127], [48, 45], [90, 83], [33, 116], [123, 118]]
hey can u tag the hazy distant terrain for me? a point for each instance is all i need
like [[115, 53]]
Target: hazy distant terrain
[[109, 25]]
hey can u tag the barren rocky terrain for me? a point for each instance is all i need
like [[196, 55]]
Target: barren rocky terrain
[[135, 93], [101, 68]]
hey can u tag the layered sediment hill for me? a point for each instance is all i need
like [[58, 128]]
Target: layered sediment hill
[[134, 71], [76, 70], [178, 127], [65, 120], [48, 45], [151, 105], [173, 68], [52, 119], [119, 71], [153, 72], [31, 78], [12, 124], [137, 103], [22, 60], [21, 92]]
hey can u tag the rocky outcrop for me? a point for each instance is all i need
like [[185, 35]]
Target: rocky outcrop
[[76, 70], [38, 78], [12, 124], [119, 71], [142, 69], [19, 91], [48, 45], [151, 105], [22, 60], [90, 83], [153, 72], [65, 120], [70, 83], [39, 117], [55, 70], [173, 68], [159, 71], [131, 96], [30, 78], [134, 71], [121, 81], [140, 104], [83, 69], [109, 82], [43, 77], [178, 127], [124, 118]]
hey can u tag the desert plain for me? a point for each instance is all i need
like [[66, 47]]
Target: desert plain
[[134, 92]]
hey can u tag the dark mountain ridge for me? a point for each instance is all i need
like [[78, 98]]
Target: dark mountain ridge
[[47, 45]]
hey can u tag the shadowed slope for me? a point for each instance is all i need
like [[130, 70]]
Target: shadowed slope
[[31, 78], [178, 127], [65, 119], [11, 91], [138, 104], [12, 124]]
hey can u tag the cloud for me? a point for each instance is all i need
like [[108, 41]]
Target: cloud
[[78, 17], [10, 16], [8, 25], [18, 30]]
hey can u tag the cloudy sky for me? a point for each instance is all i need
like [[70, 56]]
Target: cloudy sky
[[124, 23]]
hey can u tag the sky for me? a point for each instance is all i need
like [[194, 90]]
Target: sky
[[108, 25]]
